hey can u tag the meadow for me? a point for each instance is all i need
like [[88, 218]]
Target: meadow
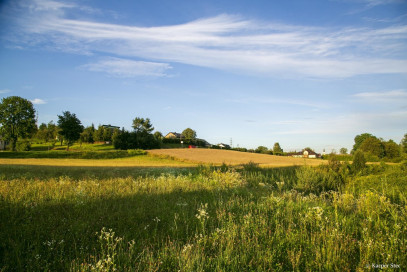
[[172, 215]]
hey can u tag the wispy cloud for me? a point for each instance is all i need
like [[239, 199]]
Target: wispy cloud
[[128, 68], [386, 96], [265, 100], [4, 91], [225, 42], [38, 101]]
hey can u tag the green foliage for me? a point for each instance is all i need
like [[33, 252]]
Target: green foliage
[[189, 134], [71, 127], [359, 161], [391, 149], [135, 140], [404, 144], [205, 219], [343, 151], [23, 145], [262, 149], [359, 139], [318, 180], [142, 125], [158, 135], [277, 150], [17, 119], [373, 146], [87, 136]]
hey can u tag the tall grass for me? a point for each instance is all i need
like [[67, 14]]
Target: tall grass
[[202, 219], [62, 154]]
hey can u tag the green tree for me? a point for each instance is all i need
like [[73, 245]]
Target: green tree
[[98, 134], [141, 124], [277, 150], [404, 144], [343, 151], [373, 146], [359, 161], [71, 127], [17, 119], [158, 135], [87, 135], [261, 149], [42, 132], [391, 149], [189, 134], [359, 140]]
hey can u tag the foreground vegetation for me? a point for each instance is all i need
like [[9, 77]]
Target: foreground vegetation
[[328, 218]]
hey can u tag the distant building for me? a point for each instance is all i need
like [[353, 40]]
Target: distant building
[[224, 146], [310, 154], [174, 135]]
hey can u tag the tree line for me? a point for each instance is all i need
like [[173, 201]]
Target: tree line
[[18, 123]]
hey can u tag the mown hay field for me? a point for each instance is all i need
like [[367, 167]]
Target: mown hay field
[[217, 157], [136, 161]]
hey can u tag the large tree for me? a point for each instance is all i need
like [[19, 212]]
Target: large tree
[[142, 125], [391, 149], [17, 119], [71, 127], [373, 146], [277, 150], [359, 139], [189, 134]]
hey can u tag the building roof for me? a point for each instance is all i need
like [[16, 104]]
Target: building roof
[[174, 134]]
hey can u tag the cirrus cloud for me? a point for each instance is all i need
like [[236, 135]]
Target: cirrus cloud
[[118, 67], [224, 42]]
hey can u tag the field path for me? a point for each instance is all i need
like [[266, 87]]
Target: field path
[[217, 156]]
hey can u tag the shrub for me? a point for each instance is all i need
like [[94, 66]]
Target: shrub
[[251, 167], [317, 180], [359, 161], [23, 145]]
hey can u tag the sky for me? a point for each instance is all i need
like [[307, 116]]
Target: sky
[[250, 73]]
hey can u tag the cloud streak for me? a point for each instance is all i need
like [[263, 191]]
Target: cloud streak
[[38, 101], [226, 42], [386, 96], [118, 67]]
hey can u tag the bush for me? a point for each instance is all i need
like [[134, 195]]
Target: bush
[[24, 145], [317, 180], [359, 161]]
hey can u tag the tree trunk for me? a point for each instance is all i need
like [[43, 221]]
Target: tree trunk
[[13, 144]]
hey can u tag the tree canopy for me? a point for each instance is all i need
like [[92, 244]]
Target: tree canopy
[[277, 150], [71, 127], [142, 125], [189, 134], [17, 119]]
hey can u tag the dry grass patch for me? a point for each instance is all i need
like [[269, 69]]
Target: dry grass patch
[[145, 161], [217, 157]]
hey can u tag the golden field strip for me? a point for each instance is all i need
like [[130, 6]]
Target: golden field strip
[[217, 157], [137, 161]]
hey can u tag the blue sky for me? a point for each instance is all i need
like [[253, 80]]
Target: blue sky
[[301, 73]]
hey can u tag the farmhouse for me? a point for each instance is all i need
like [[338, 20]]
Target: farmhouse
[[174, 135], [225, 146], [310, 154]]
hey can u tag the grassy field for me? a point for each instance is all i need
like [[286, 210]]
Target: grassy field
[[168, 215], [218, 157]]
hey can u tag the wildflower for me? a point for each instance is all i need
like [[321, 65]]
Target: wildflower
[[202, 214]]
